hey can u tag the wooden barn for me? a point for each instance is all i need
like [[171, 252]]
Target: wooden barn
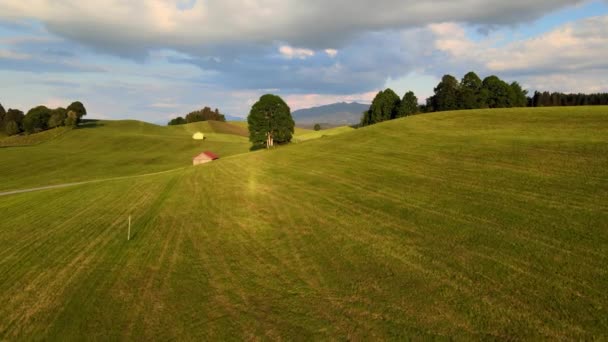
[[204, 157]]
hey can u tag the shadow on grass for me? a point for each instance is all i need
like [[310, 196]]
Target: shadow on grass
[[86, 124]]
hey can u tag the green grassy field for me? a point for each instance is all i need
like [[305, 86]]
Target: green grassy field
[[489, 224], [105, 149], [32, 139], [305, 135]]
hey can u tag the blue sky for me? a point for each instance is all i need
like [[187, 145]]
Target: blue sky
[[152, 60]]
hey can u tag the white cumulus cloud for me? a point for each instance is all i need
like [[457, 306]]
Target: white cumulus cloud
[[291, 52], [331, 52]]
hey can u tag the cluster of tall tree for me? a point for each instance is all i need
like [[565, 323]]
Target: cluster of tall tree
[[546, 99], [40, 118], [204, 114], [270, 122], [387, 105], [473, 93]]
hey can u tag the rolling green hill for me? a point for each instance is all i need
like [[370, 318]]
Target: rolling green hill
[[305, 135], [488, 224], [32, 139], [104, 149], [214, 127]]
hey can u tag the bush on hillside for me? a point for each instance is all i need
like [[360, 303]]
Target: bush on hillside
[[177, 121], [71, 119], [11, 128], [58, 117]]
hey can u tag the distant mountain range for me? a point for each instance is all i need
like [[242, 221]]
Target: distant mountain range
[[336, 114], [234, 118]]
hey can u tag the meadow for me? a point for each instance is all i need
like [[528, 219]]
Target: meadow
[[106, 149], [484, 224]]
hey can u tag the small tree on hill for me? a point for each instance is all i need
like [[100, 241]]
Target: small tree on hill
[[409, 104], [14, 115], [317, 127], [385, 106], [36, 119], [78, 108], [500, 93], [519, 96], [270, 122], [446, 94]]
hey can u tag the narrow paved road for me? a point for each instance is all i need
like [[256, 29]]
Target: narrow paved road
[[65, 185]]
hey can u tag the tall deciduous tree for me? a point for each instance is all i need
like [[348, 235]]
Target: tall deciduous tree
[[385, 106], [470, 92], [367, 116], [446, 94], [409, 104], [14, 115], [270, 122], [36, 119], [499, 92], [519, 97]]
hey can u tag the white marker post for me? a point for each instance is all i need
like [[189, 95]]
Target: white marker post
[[129, 233]]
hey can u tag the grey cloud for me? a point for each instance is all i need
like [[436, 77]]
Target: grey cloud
[[138, 26], [363, 65]]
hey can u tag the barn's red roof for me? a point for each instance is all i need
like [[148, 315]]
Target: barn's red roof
[[208, 154], [211, 155]]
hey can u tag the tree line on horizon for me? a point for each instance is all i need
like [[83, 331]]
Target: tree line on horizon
[[204, 114], [471, 92], [555, 99], [40, 118]]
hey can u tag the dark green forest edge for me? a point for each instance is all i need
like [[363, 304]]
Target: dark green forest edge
[[471, 93], [40, 118]]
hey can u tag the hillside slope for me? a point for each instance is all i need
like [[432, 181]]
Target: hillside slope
[[474, 224], [213, 127], [105, 149]]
